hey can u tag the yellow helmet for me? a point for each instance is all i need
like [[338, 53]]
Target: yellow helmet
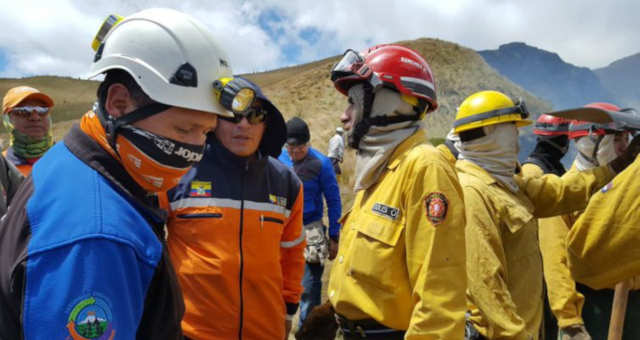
[[486, 108]]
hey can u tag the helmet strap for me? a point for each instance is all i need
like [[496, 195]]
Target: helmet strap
[[362, 127], [112, 125]]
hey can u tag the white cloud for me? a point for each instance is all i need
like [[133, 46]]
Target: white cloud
[[40, 37]]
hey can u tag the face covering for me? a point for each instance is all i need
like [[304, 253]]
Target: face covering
[[156, 163], [378, 144], [26, 146], [595, 150], [496, 152]]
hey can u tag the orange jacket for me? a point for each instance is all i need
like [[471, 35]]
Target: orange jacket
[[236, 242]]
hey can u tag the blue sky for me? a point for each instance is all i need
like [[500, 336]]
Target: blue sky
[[268, 34]]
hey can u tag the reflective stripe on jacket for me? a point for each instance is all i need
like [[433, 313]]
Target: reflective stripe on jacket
[[504, 267], [401, 259], [235, 238]]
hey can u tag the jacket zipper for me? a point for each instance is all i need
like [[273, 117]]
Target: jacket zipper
[[246, 169]]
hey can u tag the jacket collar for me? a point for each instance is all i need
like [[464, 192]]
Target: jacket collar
[[16, 160], [471, 168], [92, 154], [419, 137]]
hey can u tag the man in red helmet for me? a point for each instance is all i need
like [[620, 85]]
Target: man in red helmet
[[400, 269], [597, 144]]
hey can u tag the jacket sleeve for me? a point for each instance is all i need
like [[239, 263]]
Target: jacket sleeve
[[331, 192], [486, 263], [553, 195], [603, 242], [435, 253], [66, 284], [565, 300], [292, 247]]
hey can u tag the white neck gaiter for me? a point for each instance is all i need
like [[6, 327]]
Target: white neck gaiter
[[496, 152], [594, 150], [377, 146]]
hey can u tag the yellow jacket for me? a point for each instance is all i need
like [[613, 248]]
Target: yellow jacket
[[401, 259], [447, 153], [603, 243], [504, 268], [565, 301]]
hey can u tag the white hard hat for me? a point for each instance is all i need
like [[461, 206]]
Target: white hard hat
[[339, 130], [172, 56]]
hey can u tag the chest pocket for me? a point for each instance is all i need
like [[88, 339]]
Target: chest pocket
[[376, 256], [520, 231]]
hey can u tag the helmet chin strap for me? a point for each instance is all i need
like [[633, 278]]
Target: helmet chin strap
[[112, 125], [361, 128]]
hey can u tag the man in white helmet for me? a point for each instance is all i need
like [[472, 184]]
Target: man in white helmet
[[82, 246], [336, 150]]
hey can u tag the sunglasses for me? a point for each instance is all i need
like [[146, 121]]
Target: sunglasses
[[254, 116], [25, 111]]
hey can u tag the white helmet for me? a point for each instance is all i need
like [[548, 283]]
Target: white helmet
[[339, 130], [172, 56]]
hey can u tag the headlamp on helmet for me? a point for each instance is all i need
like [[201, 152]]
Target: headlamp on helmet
[[235, 94], [110, 22]]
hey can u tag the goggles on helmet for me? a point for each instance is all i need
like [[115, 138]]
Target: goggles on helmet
[[110, 22], [254, 116], [353, 66], [235, 94], [25, 111], [519, 108]]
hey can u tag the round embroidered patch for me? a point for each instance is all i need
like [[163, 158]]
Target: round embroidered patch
[[436, 206], [91, 318]]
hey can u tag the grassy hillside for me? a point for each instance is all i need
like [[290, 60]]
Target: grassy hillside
[[72, 97], [306, 91]]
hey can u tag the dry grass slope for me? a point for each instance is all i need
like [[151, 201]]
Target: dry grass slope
[[306, 91]]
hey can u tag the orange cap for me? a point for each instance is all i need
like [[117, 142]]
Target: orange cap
[[17, 94]]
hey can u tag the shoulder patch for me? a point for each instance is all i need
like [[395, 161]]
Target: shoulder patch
[[386, 211], [436, 206], [607, 187], [200, 189], [91, 318]]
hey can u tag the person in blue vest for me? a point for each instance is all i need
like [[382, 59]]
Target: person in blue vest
[[82, 246], [315, 170]]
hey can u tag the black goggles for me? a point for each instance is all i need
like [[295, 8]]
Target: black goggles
[[519, 108], [254, 116]]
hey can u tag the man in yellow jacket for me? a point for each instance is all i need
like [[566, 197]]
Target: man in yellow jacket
[[504, 269], [400, 268], [563, 306]]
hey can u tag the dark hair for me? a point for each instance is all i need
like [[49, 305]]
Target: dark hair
[[118, 76]]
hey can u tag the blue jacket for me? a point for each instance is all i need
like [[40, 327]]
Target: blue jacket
[[318, 179], [82, 253]]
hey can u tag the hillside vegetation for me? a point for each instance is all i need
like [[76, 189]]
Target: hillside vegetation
[[306, 91]]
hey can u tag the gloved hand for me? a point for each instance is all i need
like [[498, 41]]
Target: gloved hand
[[574, 332], [627, 157]]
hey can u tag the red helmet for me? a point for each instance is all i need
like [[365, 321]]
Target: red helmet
[[387, 65], [579, 128], [548, 125]]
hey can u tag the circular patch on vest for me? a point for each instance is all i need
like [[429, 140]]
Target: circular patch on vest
[[436, 205]]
